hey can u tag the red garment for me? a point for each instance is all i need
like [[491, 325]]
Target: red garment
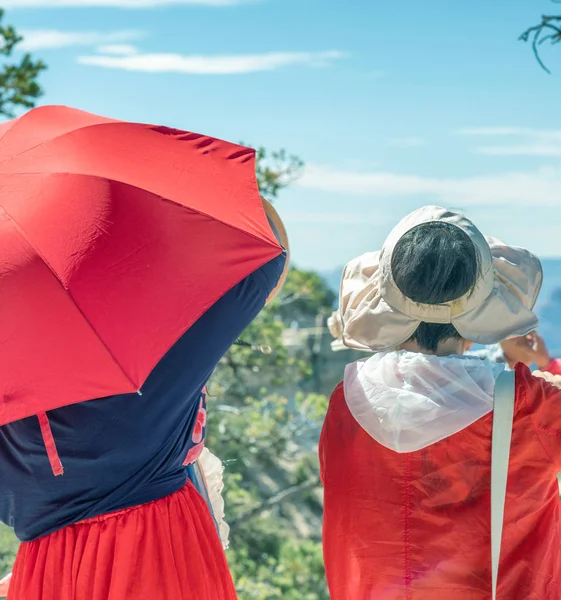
[[417, 525], [165, 550], [554, 367]]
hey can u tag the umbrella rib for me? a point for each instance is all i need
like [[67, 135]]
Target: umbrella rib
[[108, 123], [71, 297], [49, 140], [163, 198], [229, 225]]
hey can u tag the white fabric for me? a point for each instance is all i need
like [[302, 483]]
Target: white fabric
[[335, 326], [407, 401], [376, 316], [213, 472], [4, 585], [503, 414]]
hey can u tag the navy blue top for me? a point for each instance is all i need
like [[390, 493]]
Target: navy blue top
[[124, 450]]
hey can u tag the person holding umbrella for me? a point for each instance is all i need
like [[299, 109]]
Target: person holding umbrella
[[131, 258]]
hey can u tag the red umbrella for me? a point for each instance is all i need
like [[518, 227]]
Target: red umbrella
[[114, 238]]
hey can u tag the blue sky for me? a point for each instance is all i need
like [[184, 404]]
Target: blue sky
[[392, 105]]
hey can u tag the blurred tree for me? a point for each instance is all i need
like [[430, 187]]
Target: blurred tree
[[8, 549], [275, 171], [268, 439], [19, 87], [305, 295], [546, 31]]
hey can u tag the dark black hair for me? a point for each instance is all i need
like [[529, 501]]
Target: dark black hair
[[434, 263]]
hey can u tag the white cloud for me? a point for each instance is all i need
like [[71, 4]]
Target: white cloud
[[118, 49], [492, 131], [13, 4], [521, 141], [510, 131], [211, 65], [541, 187], [522, 150], [320, 217], [44, 39]]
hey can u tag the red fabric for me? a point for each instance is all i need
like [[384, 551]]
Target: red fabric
[[554, 367], [50, 445], [114, 238], [165, 550], [197, 437], [416, 526]]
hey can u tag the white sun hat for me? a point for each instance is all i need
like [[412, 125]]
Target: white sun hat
[[374, 315], [282, 237]]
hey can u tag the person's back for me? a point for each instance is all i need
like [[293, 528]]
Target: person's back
[[407, 516], [127, 520], [406, 446], [132, 517]]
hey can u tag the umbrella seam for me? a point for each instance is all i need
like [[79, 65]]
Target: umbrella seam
[[162, 198], [51, 139], [69, 293], [116, 122], [110, 122]]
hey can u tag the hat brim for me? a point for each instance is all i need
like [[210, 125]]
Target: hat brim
[[282, 237], [372, 322]]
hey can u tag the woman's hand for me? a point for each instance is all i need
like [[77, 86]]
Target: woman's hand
[[529, 349]]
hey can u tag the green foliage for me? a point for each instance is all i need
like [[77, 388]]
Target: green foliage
[[268, 442], [305, 296], [269, 450], [8, 549], [275, 171], [18, 81], [263, 360], [296, 575], [265, 429]]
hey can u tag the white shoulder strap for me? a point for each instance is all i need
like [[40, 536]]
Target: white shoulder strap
[[503, 415]]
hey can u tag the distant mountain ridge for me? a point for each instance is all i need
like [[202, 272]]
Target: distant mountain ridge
[[548, 306]]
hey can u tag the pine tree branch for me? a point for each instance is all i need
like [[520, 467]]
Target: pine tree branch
[[279, 498], [549, 30]]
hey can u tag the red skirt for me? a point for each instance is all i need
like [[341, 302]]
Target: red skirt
[[164, 550]]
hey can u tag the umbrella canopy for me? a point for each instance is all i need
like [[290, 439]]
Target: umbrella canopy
[[114, 238]]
